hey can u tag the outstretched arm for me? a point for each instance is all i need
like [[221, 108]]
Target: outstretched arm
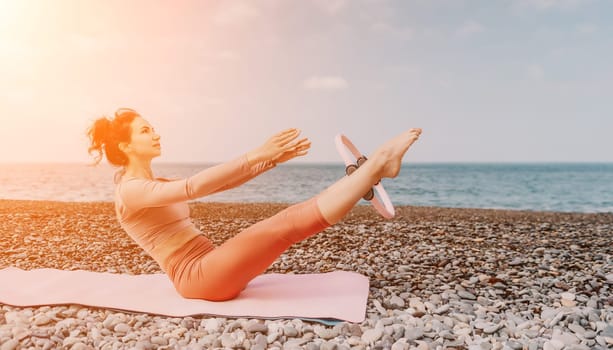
[[278, 149], [253, 171], [141, 193]]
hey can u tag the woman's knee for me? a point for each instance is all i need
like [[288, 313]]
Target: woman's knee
[[208, 292]]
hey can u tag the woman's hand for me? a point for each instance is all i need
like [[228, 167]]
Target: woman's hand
[[280, 148]]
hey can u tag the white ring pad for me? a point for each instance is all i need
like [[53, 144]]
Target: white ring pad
[[383, 204]]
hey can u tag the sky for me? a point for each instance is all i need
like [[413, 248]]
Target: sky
[[487, 81]]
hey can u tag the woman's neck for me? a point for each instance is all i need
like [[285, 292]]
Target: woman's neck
[[139, 169]]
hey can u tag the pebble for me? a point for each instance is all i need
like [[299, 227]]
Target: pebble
[[379, 307], [413, 333], [446, 334], [328, 346], [466, 295], [122, 328], [515, 345], [372, 335], [483, 301], [417, 304], [576, 328], [325, 333], [10, 344], [427, 283], [400, 344], [212, 325], [516, 261], [396, 302], [228, 341], [553, 345], [355, 330], [42, 320], [312, 346], [607, 331], [492, 329], [70, 341], [422, 345], [157, 340], [255, 327], [261, 340], [80, 346], [539, 251], [441, 310], [290, 331]]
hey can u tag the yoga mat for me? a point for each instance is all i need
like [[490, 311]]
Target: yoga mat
[[340, 295]]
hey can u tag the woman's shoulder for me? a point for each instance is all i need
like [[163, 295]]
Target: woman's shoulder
[[135, 179], [124, 179]]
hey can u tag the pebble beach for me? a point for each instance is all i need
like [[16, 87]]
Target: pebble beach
[[440, 278]]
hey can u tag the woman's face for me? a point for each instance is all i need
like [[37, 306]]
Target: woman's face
[[144, 142]]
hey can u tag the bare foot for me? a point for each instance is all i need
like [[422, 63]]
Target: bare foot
[[390, 154]]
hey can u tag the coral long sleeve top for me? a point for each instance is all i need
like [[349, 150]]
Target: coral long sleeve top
[[153, 211]]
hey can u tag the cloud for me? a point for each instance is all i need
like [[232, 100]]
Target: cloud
[[469, 28], [327, 83], [15, 56], [235, 12], [211, 101], [330, 7], [404, 68], [586, 28], [445, 83], [91, 44], [15, 48], [19, 97], [535, 72], [405, 33], [550, 4], [228, 56]]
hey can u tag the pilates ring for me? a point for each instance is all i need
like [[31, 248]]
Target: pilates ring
[[353, 160]]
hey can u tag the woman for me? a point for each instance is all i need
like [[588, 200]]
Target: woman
[[155, 213]]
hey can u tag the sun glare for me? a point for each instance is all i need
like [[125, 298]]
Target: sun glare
[[11, 13]]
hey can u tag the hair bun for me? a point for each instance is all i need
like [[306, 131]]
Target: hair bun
[[103, 127], [99, 135], [106, 135]]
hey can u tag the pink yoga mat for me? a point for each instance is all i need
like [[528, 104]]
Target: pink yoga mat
[[339, 295]]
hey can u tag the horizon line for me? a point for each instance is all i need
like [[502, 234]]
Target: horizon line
[[72, 162]]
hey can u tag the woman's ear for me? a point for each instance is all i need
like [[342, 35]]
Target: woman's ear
[[124, 147]]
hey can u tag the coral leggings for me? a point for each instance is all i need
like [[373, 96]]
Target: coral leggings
[[201, 271]]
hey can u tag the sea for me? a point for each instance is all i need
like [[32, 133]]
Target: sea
[[561, 187]]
